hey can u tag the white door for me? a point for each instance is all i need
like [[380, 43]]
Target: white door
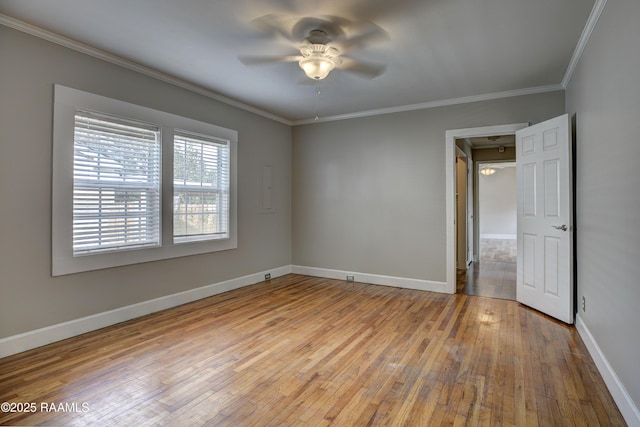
[[545, 228]]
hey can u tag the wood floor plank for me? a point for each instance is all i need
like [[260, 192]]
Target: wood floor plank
[[301, 350]]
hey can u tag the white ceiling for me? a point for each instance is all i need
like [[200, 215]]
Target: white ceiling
[[437, 50]]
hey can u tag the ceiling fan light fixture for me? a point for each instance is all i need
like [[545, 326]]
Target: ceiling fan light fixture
[[317, 67], [318, 60]]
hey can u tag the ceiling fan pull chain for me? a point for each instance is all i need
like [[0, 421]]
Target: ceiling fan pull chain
[[317, 98]]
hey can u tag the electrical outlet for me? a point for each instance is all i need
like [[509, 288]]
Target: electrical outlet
[[584, 303], [350, 278], [267, 276]]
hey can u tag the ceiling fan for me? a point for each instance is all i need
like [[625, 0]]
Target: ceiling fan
[[322, 44]]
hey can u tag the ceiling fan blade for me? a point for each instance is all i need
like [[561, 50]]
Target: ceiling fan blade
[[363, 69], [286, 6], [368, 35], [275, 25], [262, 60]]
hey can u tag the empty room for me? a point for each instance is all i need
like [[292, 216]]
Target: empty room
[[266, 213]]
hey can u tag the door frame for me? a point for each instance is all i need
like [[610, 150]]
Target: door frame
[[450, 187], [460, 154]]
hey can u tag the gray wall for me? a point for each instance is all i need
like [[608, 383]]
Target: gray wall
[[369, 193], [604, 98], [29, 297]]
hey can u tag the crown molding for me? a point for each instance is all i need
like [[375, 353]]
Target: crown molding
[[434, 104], [131, 65], [114, 59], [598, 7]]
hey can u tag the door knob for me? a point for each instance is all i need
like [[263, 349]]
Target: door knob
[[562, 227]]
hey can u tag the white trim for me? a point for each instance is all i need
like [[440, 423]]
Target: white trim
[[617, 389], [598, 7], [496, 164], [450, 182], [434, 104], [499, 236], [47, 335], [373, 279], [460, 152], [131, 65]]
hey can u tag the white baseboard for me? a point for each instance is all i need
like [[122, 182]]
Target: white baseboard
[[374, 279], [47, 335], [619, 393]]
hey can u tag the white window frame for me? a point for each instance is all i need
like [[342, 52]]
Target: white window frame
[[218, 188], [67, 102]]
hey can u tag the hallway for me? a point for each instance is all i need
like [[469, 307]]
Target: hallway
[[488, 279]]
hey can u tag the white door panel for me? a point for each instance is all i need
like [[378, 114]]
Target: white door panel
[[545, 231]]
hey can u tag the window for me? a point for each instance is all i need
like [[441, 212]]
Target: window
[[117, 167], [116, 184], [200, 188]]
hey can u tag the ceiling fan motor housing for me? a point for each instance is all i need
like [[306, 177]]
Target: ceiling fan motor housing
[[318, 36], [319, 50]]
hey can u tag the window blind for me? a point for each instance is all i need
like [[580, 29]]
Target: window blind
[[200, 187], [116, 184]]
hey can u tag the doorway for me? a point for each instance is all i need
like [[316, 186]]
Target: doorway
[[493, 271], [451, 187], [544, 278]]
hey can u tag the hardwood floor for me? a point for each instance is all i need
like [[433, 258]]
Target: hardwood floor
[[488, 279], [306, 351]]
